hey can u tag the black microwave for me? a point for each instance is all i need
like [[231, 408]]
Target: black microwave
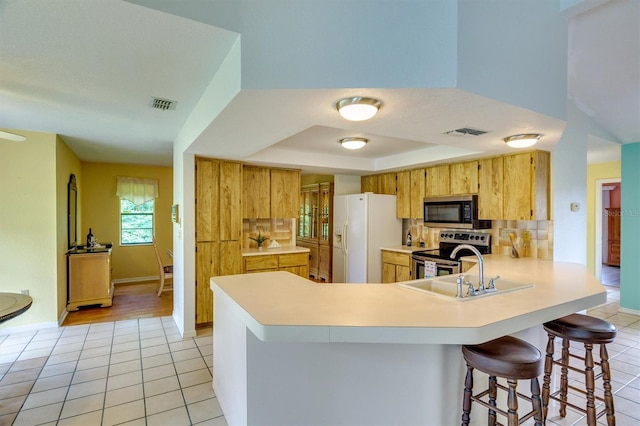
[[456, 211]]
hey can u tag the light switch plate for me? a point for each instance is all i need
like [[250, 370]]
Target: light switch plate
[[575, 207]]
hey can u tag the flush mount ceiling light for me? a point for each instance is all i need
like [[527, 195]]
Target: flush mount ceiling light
[[358, 108], [12, 136], [522, 141], [353, 143]]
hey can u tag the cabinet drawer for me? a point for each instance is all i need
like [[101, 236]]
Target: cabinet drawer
[[252, 263], [297, 259], [401, 259]]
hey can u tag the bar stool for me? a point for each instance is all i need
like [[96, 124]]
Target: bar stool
[[590, 331], [510, 358]]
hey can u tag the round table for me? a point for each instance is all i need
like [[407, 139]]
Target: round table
[[13, 304]]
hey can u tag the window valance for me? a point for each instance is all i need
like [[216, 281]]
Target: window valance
[[137, 190]]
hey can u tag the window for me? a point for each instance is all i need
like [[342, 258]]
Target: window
[[136, 222]]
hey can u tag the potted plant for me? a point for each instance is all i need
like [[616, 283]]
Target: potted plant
[[259, 239]]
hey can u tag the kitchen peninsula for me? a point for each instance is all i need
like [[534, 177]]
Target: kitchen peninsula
[[290, 351]]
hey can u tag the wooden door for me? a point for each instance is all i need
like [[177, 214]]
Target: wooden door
[[256, 193], [207, 199], [230, 206], [490, 191], [437, 181], [285, 190], [463, 178]]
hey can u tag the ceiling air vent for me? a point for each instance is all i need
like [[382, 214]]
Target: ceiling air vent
[[163, 104], [465, 131]]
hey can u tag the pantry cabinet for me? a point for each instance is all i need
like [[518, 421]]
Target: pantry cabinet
[[396, 266], [89, 278]]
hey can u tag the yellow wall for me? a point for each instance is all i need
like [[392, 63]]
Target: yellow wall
[[67, 163], [101, 213], [28, 223], [596, 172]]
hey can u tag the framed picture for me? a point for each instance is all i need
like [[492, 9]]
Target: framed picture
[[175, 215]]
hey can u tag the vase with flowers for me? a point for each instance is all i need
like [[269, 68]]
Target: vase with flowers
[[259, 239]]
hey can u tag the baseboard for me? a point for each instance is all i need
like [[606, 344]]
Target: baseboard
[[629, 311], [135, 279], [63, 316]]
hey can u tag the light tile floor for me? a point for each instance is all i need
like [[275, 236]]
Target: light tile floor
[[141, 372], [134, 372]]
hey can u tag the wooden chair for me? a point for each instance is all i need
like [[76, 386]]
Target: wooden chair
[[166, 271]]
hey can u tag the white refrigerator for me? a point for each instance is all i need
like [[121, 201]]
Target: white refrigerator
[[362, 225]]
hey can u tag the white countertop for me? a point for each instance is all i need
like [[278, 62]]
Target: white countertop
[[279, 306], [279, 250]]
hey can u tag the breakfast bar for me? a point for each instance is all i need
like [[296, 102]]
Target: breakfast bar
[[291, 351]]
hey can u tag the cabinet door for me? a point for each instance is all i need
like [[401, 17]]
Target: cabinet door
[[518, 187], [296, 263], [417, 193], [89, 277], [490, 192], [324, 264], [230, 211], [388, 273], [207, 199], [369, 184], [207, 255], [437, 181], [256, 193], [403, 273], [325, 216], [314, 259], [261, 263], [463, 178], [285, 190], [387, 183], [403, 195]]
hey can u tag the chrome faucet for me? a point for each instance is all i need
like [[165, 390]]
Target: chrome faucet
[[475, 251]]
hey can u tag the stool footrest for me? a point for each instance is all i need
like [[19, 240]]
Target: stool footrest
[[576, 369], [477, 399], [575, 407]]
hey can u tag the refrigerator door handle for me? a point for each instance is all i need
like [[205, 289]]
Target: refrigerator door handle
[[345, 247]]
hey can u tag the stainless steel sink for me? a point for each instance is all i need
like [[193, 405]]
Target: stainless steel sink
[[446, 287]]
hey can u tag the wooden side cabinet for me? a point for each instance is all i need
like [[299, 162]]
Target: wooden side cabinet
[[395, 266], [89, 279]]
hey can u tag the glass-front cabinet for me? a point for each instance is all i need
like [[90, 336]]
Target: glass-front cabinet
[[314, 227]]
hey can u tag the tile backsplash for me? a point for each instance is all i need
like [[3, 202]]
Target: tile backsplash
[[533, 238], [281, 230]]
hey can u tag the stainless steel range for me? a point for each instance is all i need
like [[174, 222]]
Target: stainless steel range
[[439, 261]]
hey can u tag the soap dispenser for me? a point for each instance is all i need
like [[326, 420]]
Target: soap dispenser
[[409, 239]]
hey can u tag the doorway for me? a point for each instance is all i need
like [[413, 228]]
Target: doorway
[[607, 235]]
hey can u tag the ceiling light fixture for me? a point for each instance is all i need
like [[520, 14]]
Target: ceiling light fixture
[[12, 136], [353, 143], [522, 141], [358, 108]]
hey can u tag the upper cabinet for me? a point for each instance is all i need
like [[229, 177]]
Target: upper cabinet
[[509, 187], [491, 188], [463, 178], [285, 193], [526, 186], [269, 193], [256, 192], [230, 196], [437, 181]]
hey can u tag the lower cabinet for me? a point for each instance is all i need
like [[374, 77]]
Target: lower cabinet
[[395, 266], [296, 263], [89, 279]]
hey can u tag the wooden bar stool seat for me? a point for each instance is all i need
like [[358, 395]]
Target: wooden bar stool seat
[[589, 331], [509, 358]]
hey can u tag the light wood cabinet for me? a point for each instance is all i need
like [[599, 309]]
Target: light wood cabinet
[[387, 183], [490, 190], [285, 190], [325, 262], [89, 279], [314, 256], [526, 186], [296, 263], [256, 192], [395, 266], [463, 178], [437, 181], [369, 184], [218, 227], [410, 194], [613, 236]]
